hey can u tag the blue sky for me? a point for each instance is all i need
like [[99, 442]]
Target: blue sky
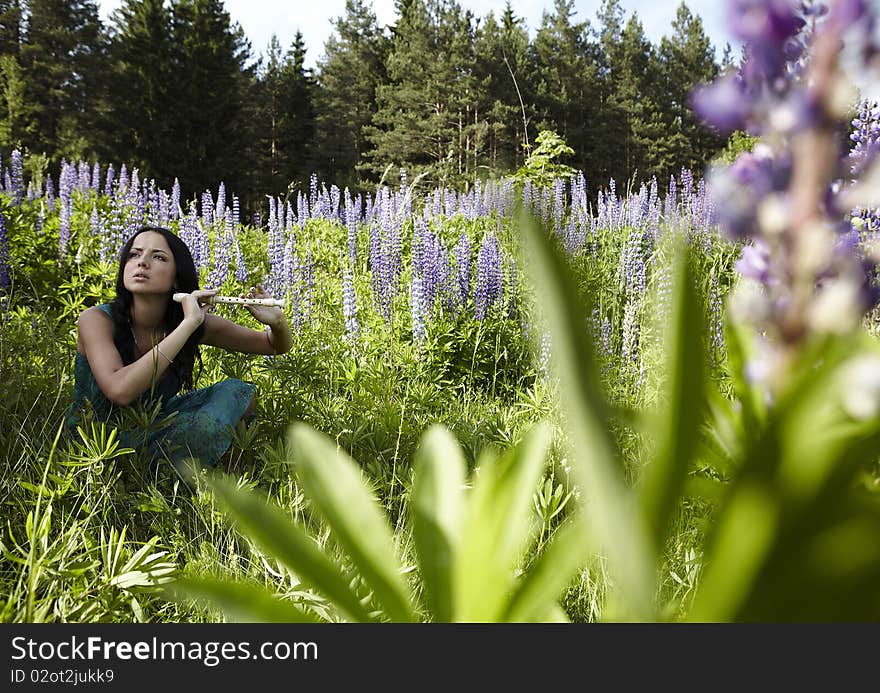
[[261, 18]]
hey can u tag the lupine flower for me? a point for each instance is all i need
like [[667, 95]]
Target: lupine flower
[[66, 184], [349, 306], [716, 317], [4, 254], [544, 357], [417, 309], [175, 200], [108, 183], [783, 196], [488, 276], [16, 183], [220, 208]]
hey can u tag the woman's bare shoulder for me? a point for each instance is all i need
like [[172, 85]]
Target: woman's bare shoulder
[[90, 318]]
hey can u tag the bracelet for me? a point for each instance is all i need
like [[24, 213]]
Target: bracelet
[[170, 361]]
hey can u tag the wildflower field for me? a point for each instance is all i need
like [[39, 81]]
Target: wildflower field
[[409, 310], [514, 402]]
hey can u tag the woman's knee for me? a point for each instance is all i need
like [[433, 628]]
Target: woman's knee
[[250, 407]]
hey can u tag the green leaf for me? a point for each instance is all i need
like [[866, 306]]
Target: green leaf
[[333, 482], [278, 536], [614, 513], [539, 590], [682, 408], [497, 528], [239, 601], [437, 516], [744, 534]]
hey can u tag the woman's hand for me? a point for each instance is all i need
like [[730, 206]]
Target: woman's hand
[[268, 315], [193, 311]]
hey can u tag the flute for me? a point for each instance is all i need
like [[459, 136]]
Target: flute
[[209, 300]]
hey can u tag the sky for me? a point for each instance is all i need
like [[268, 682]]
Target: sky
[[261, 18]]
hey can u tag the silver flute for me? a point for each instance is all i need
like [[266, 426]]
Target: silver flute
[[209, 300]]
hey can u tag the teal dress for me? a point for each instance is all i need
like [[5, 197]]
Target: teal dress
[[200, 425]]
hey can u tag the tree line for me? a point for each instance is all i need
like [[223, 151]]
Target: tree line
[[175, 89]]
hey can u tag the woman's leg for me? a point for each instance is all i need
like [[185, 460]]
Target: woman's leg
[[250, 409]]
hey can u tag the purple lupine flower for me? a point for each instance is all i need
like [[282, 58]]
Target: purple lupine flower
[[351, 225], [462, 253], [164, 213], [4, 254], [334, 202], [349, 306], [112, 238], [152, 197], [488, 276], [755, 261], [716, 317], [220, 208], [864, 151], [175, 200], [631, 270], [417, 309], [558, 204], [236, 213], [95, 227], [50, 193], [83, 177], [17, 178], [630, 346], [233, 245], [207, 209], [544, 356], [96, 178], [66, 184], [313, 191], [122, 184], [108, 183]]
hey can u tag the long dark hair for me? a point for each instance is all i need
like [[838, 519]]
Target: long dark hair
[[187, 280]]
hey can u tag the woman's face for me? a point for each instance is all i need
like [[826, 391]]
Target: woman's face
[[149, 267]]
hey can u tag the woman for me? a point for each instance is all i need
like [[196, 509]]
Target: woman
[[144, 345]]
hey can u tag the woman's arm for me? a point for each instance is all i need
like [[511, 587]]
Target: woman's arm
[[228, 335], [124, 384]]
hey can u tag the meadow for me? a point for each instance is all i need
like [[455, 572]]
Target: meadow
[[412, 309]]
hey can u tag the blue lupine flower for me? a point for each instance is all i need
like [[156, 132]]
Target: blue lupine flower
[[349, 306], [175, 200], [16, 183], [488, 276], [108, 183], [417, 309], [4, 254]]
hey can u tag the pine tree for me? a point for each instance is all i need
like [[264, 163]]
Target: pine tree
[[687, 58], [62, 55], [13, 107], [350, 71], [144, 100], [297, 125], [10, 27], [505, 76], [423, 119], [568, 81], [210, 86]]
